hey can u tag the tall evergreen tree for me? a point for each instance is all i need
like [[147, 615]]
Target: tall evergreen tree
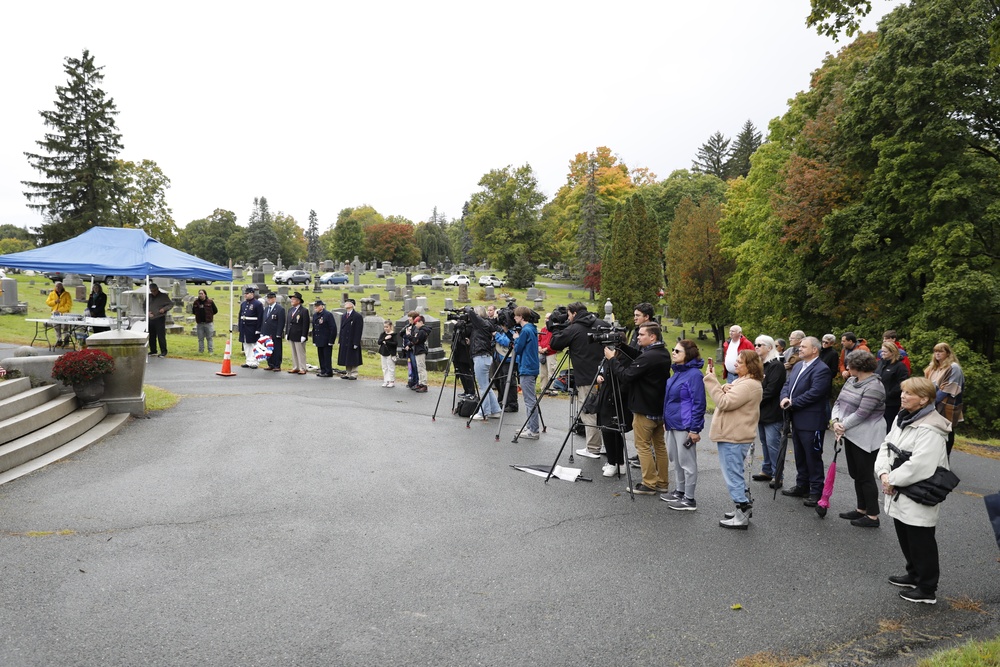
[[632, 270], [746, 144], [588, 235], [713, 156], [314, 251], [262, 240], [77, 159]]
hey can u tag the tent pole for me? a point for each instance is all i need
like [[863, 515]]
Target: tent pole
[[229, 334]]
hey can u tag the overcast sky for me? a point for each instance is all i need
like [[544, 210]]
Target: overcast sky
[[399, 105]]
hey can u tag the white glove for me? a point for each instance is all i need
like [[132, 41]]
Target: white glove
[[303, 339]]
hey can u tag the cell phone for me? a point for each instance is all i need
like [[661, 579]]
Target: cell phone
[[711, 365], [689, 443]]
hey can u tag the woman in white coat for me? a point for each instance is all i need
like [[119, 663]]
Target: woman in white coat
[[922, 432]]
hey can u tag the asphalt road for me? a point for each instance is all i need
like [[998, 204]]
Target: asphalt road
[[272, 519]]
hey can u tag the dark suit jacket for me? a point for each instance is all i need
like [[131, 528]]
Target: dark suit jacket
[[324, 328], [810, 400], [274, 322], [298, 323], [352, 325]]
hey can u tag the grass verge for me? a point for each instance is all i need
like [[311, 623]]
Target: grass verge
[[159, 399], [973, 654]]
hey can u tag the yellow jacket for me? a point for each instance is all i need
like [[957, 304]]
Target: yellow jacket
[[59, 304]]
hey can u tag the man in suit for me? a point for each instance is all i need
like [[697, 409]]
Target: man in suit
[[273, 326], [806, 394], [352, 325], [251, 314], [297, 331], [324, 328]]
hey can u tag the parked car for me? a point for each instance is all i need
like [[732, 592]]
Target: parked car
[[485, 281], [457, 280], [333, 278], [59, 276], [296, 277], [421, 279], [280, 275]]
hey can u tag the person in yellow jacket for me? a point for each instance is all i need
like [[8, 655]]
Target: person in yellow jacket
[[61, 303]]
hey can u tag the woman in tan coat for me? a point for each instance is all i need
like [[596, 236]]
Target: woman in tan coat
[[734, 426]]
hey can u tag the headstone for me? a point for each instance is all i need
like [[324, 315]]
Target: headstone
[[267, 267], [279, 266], [258, 280], [370, 331], [409, 291], [422, 304], [283, 290], [81, 292], [532, 293], [387, 268], [390, 283], [463, 294], [400, 293], [490, 293], [238, 272], [608, 312], [379, 273], [449, 304], [358, 268], [409, 304], [437, 283], [327, 265], [409, 278], [539, 305], [179, 289], [423, 266], [8, 300], [72, 280], [367, 306]]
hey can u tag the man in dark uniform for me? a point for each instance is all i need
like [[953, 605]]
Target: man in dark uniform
[[297, 331], [251, 315], [324, 335], [273, 326], [351, 327]]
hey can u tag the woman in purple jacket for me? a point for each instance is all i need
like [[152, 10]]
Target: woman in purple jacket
[[683, 420]]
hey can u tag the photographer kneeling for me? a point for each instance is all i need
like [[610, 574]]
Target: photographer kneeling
[[645, 381], [586, 358], [481, 348]]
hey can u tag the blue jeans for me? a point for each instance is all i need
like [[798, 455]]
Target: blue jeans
[[482, 369], [731, 457], [528, 391], [770, 442]]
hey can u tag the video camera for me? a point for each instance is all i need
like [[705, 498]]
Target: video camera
[[612, 337], [505, 315], [457, 315], [558, 319]]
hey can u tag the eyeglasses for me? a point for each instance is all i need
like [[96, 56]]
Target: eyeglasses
[[758, 344], [676, 351]]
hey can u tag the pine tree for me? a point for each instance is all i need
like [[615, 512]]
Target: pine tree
[[77, 159], [632, 270], [746, 144], [713, 156], [588, 236], [262, 241], [314, 252]]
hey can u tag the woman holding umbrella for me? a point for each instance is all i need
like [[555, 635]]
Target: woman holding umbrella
[[734, 426], [921, 432], [858, 418]]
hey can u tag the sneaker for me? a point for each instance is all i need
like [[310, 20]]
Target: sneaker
[[609, 470], [641, 489], [684, 503], [495, 415], [635, 464], [903, 581], [917, 595], [587, 454], [529, 435], [672, 496], [478, 417], [161, 355], [865, 522], [748, 513], [661, 489], [391, 385]]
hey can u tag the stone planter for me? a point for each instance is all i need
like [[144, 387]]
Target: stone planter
[[90, 392]]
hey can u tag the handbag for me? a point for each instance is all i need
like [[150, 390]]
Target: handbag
[[930, 491]]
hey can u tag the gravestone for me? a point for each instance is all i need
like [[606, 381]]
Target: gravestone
[[539, 305], [81, 292], [379, 273], [422, 304], [409, 278], [387, 268], [490, 293], [371, 330], [390, 284], [358, 268], [72, 280], [327, 265], [463, 294], [367, 306], [532, 293], [266, 266], [258, 280], [179, 289], [409, 304], [400, 293], [279, 266], [449, 304], [238, 272]]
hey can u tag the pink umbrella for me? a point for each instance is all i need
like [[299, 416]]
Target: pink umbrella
[[831, 474]]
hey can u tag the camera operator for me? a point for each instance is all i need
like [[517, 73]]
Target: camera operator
[[461, 356], [481, 330], [645, 381], [586, 358], [643, 313], [505, 373]]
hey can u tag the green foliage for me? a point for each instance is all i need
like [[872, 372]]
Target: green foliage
[[504, 216], [291, 239], [631, 272], [971, 654], [433, 241], [831, 17], [460, 239], [77, 158], [208, 238], [262, 240], [662, 198], [8, 231], [713, 157], [142, 200], [348, 240], [314, 251], [745, 144], [393, 242], [521, 275], [10, 246]]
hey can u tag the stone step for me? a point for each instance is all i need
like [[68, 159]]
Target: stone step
[[10, 387], [110, 425], [25, 400], [37, 417], [44, 440]]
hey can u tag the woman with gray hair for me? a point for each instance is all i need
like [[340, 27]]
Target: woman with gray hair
[[858, 418], [769, 424]]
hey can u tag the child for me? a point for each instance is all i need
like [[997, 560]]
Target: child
[[418, 340], [387, 350]]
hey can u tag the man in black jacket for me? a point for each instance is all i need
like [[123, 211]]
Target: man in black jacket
[[481, 331], [586, 358], [645, 381], [274, 326]]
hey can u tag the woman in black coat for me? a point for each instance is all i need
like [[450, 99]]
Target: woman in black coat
[[96, 304], [892, 371], [769, 423]]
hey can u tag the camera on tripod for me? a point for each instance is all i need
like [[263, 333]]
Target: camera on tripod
[[612, 337], [457, 315], [505, 316], [558, 319]]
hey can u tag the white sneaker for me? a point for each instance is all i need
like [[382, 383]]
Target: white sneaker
[[586, 453], [529, 435], [391, 385], [385, 384], [478, 417], [610, 470]]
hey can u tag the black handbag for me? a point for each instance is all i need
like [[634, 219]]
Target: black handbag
[[930, 491]]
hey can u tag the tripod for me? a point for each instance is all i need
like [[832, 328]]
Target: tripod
[[484, 394], [454, 339], [617, 427], [538, 404]]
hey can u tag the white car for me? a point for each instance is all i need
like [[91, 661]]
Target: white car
[[485, 281], [456, 280]]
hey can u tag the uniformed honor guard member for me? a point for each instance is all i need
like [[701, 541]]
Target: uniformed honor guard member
[[297, 331], [251, 317], [324, 327]]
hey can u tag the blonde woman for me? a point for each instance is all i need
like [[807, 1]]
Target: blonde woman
[[892, 371], [949, 380]]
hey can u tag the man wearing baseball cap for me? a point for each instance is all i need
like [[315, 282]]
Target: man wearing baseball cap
[[251, 317]]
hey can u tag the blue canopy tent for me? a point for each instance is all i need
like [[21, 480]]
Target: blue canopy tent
[[117, 252]]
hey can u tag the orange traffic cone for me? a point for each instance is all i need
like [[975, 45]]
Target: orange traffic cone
[[227, 368]]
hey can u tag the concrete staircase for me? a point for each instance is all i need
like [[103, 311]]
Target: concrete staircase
[[41, 425]]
